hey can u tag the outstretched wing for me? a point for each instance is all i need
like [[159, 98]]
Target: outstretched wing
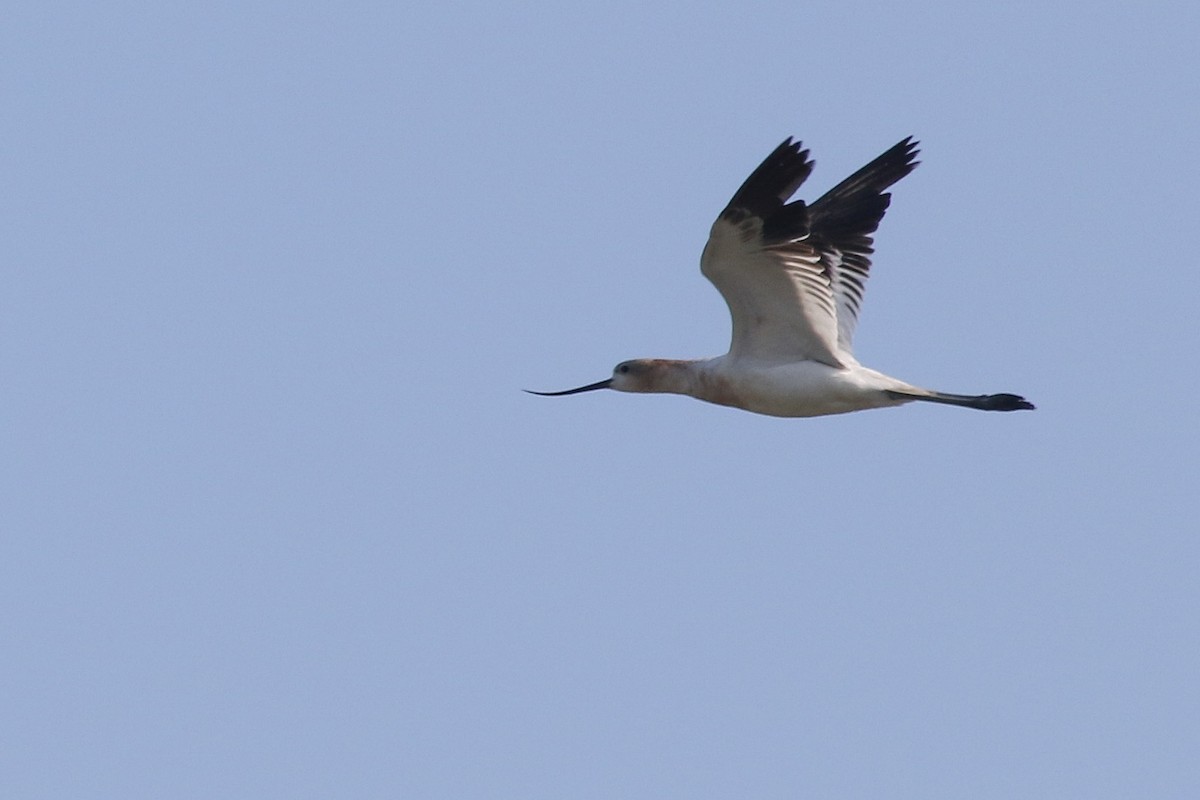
[[842, 222], [759, 258], [789, 272]]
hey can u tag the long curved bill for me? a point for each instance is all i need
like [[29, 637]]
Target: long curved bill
[[588, 388]]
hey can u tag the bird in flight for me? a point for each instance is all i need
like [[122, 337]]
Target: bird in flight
[[793, 276]]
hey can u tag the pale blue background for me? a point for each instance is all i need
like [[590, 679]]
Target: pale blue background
[[278, 521]]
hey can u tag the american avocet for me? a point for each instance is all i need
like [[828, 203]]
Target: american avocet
[[793, 276]]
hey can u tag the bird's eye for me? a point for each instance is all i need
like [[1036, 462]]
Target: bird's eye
[[623, 368]]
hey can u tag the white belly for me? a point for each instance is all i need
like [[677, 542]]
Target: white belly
[[801, 389]]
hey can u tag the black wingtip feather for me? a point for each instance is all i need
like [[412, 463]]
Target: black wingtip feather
[[889, 167], [773, 182], [848, 211], [856, 205]]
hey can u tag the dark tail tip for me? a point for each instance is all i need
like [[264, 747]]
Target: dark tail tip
[[983, 402], [1005, 402]]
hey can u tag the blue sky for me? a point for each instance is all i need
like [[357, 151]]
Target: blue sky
[[278, 520]]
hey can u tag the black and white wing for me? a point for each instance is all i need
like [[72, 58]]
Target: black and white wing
[[793, 275], [843, 222]]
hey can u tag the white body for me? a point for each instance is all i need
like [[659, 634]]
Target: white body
[[796, 389]]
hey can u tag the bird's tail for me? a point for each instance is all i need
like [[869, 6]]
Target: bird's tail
[[983, 402]]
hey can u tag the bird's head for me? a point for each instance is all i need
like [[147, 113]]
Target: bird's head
[[637, 375]]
